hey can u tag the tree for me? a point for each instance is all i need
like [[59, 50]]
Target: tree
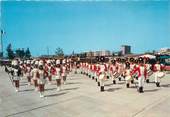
[[17, 52], [23, 53], [27, 53], [20, 53], [59, 52], [10, 52]]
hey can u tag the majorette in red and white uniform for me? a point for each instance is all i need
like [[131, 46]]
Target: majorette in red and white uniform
[[102, 76], [64, 71], [148, 66], [142, 72], [120, 69], [93, 69], [16, 72], [48, 70], [107, 69], [112, 71], [157, 70], [58, 74], [41, 76], [28, 72], [34, 74]]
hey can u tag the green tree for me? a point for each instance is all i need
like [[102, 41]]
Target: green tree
[[27, 53], [10, 52], [20, 53], [17, 52], [59, 52]]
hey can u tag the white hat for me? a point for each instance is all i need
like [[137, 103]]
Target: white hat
[[32, 62], [36, 62], [41, 62], [28, 62], [57, 61], [15, 62], [64, 61], [21, 62], [48, 61]]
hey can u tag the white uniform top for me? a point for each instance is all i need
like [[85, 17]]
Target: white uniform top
[[148, 67], [34, 73], [49, 70], [120, 68], [63, 71], [41, 79], [102, 68], [158, 67], [142, 69], [102, 73], [28, 73], [57, 75], [128, 77]]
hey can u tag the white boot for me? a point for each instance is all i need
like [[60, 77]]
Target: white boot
[[17, 89], [41, 94], [29, 83], [58, 88]]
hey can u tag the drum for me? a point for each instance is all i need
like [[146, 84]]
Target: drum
[[101, 76], [116, 75], [161, 74]]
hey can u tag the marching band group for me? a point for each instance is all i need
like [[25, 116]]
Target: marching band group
[[127, 69], [42, 71], [38, 73]]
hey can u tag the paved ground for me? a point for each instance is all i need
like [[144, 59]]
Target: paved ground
[[80, 97]]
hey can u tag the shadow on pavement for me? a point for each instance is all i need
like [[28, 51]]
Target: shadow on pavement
[[113, 89], [152, 82], [152, 90], [27, 90], [53, 95], [133, 87], [165, 85], [121, 83], [73, 83], [50, 89], [109, 84], [36, 108], [23, 84], [71, 88]]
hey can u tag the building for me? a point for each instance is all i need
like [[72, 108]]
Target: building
[[96, 53], [164, 51], [125, 49], [102, 53]]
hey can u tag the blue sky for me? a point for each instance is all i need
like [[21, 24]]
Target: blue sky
[[84, 26]]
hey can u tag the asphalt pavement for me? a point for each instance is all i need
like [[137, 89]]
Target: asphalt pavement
[[81, 97]]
